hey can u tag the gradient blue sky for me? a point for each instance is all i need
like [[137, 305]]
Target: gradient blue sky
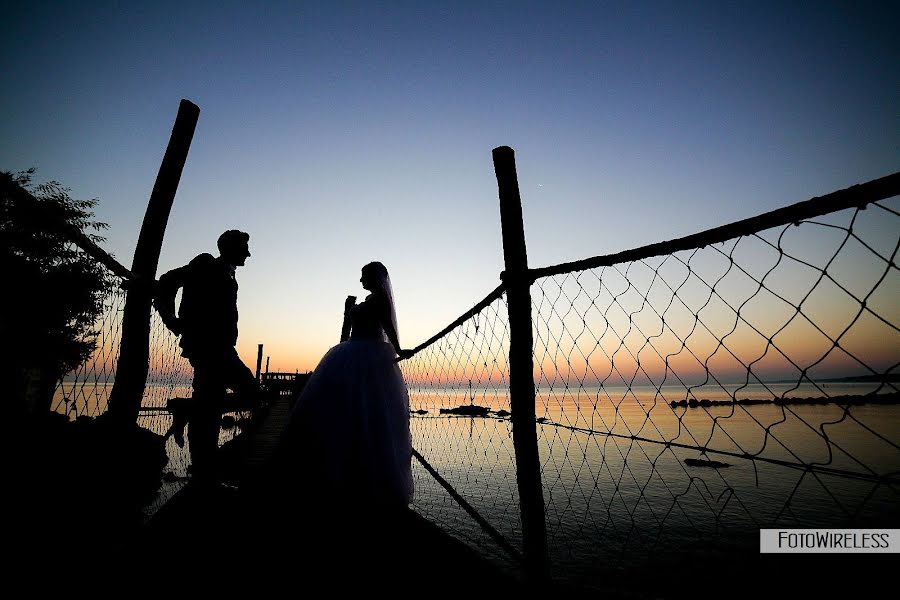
[[341, 132]]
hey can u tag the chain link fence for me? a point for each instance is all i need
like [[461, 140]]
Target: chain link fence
[[459, 399], [687, 394], [701, 395]]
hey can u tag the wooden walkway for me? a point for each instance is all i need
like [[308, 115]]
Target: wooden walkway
[[248, 455], [219, 537]]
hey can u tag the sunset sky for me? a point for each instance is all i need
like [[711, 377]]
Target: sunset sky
[[337, 133]]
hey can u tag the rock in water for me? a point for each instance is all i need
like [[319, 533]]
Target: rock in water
[[470, 410], [712, 464]]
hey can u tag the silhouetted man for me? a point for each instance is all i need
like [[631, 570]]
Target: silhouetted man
[[207, 322]]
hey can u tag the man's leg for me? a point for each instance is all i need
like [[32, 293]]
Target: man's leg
[[179, 424], [206, 419], [240, 379]]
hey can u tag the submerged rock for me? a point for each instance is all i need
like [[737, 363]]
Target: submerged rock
[[699, 462], [471, 410]]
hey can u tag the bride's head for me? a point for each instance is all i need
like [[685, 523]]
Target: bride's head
[[375, 278], [372, 276]]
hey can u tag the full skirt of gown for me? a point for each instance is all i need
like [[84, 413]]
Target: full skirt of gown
[[348, 436]]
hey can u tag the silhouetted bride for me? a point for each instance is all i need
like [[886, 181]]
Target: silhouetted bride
[[348, 435]]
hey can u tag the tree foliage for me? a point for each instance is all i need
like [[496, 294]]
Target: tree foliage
[[54, 292]]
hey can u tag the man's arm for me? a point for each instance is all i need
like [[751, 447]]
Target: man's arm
[[166, 290]]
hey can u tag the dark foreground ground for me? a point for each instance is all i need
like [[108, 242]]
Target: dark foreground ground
[[73, 524], [223, 538], [64, 532]]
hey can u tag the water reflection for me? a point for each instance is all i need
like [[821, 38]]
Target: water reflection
[[617, 493]]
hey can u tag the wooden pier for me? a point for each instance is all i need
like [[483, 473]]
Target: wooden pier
[[248, 533]]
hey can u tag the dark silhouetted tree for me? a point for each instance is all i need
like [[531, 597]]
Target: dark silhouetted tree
[[52, 293]]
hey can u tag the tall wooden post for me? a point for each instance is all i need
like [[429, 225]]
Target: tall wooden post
[[134, 352], [521, 379], [259, 363]]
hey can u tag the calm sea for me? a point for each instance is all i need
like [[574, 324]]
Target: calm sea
[[618, 492]]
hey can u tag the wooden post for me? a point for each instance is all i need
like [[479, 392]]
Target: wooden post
[[521, 379], [134, 352], [258, 363]]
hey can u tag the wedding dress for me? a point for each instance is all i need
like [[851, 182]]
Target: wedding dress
[[349, 431]]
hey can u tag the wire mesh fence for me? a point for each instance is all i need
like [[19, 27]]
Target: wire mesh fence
[[687, 394], [85, 391], [703, 394], [459, 398]]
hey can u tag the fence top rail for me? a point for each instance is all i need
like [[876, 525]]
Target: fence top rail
[[493, 295], [99, 254], [857, 195]]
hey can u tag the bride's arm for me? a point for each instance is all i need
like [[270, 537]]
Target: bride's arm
[[349, 303], [389, 329], [384, 312]]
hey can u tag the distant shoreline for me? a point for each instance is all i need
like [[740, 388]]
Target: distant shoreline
[[886, 378]]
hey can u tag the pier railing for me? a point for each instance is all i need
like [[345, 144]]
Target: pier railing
[[685, 394]]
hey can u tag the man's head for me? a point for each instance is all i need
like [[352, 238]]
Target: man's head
[[233, 247]]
